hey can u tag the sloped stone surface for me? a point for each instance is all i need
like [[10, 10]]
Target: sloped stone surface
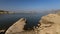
[[17, 27], [24, 32]]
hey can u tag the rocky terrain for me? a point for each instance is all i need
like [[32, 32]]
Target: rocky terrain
[[49, 24]]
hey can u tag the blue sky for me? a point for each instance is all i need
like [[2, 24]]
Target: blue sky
[[15, 5]]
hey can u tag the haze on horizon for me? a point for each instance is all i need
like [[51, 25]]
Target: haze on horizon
[[29, 5]]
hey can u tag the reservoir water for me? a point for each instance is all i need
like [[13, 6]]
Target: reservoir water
[[6, 20]]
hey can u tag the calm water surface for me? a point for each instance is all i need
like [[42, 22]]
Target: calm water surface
[[7, 20]]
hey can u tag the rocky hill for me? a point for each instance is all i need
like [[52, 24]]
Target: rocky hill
[[50, 24]]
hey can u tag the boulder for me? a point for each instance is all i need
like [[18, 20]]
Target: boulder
[[16, 27], [50, 24]]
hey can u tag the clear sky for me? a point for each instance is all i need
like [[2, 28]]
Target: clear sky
[[29, 4]]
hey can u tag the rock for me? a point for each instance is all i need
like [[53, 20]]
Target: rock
[[2, 31], [50, 24], [16, 27], [25, 32]]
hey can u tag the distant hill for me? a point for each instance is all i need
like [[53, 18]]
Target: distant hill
[[6, 12], [51, 11], [3, 12]]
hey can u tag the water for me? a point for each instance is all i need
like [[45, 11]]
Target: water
[[6, 20]]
